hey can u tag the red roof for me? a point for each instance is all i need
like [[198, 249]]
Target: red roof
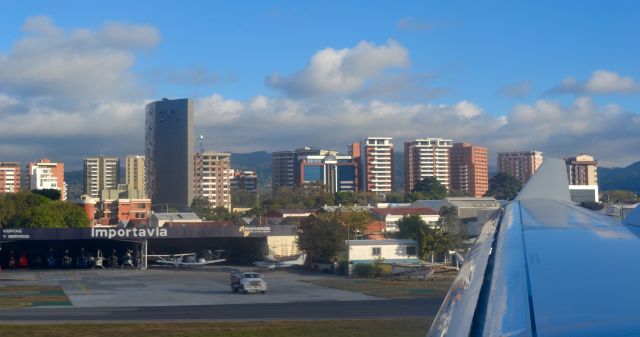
[[405, 211]]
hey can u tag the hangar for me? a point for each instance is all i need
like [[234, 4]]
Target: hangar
[[241, 244]]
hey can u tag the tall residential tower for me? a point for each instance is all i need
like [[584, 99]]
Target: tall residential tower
[[9, 177], [469, 169], [135, 173], [212, 178], [376, 164], [427, 157], [521, 165], [100, 173]]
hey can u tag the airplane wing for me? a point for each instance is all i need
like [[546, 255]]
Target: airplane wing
[[171, 255], [546, 267], [197, 263]]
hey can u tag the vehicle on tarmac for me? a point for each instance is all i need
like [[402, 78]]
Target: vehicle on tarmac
[[248, 282]]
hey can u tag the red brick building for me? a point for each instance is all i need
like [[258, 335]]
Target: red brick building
[[470, 169]]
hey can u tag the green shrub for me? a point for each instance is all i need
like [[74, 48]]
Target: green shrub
[[364, 270]]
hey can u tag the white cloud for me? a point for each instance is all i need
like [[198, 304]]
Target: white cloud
[[342, 71], [557, 129], [82, 65], [601, 82], [70, 93]]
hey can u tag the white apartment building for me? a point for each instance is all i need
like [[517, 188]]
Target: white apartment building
[[212, 178], [100, 173], [376, 164], [46, 175], [427, 157], [135, 173]]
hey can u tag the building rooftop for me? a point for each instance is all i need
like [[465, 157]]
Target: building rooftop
[[405, 211], [176, 217], [386, 242]]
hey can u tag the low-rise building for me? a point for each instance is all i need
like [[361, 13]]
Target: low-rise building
[[391, 216], [390, 251], [160, 219], [244, 180]]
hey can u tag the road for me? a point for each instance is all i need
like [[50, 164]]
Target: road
[[369, 309]]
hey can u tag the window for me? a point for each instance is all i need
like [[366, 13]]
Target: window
[[376, 251], [411, 250]]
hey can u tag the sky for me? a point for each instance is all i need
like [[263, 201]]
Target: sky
[[558, 77]]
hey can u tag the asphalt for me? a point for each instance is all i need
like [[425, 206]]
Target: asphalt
[[330, 310]]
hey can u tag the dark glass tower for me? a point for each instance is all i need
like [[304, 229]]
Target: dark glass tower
[[169, 142]]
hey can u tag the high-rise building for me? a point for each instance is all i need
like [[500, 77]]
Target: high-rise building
[[521, 165], [582, 170], [169, 141], [284, 165], [46, 175], [244, 180], [282, 169], [135, 173], [426, 157], [469, 169], [335, 172], [212, 178], [9, 177], [376, 164], [100, 173]]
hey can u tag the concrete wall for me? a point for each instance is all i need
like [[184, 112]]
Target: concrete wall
[[283, 245]]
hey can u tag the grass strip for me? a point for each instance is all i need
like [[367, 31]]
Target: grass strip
[[334, 328]]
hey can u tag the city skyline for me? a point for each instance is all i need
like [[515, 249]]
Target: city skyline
[[543, 76]]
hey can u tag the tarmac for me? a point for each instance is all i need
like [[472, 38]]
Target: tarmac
[[157, 287]]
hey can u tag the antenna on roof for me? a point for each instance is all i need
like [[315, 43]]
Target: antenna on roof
[[201, 139]]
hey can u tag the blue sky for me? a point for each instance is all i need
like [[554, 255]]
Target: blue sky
[[561, 77]]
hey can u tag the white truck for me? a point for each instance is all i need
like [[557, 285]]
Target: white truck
[[248, 282]]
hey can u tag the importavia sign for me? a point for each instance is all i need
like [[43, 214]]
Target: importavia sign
[[114, 233]]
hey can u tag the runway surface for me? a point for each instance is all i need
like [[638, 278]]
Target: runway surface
[[370, 309]]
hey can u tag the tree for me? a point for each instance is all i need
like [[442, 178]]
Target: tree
[[26, 209], [624, 196], [367, 198], [431, 240], [244, 198], [221, 213], [345, 198], [412, 227], [430, 188], [449, 221], [504, 186], [355, 221], [456, 193], [322, 237], [202, 207], [50, 193]]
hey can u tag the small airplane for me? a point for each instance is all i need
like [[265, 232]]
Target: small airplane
[[272, 263], [185, 259]]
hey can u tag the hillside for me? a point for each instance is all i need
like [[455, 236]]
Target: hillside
[[617, 178]]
